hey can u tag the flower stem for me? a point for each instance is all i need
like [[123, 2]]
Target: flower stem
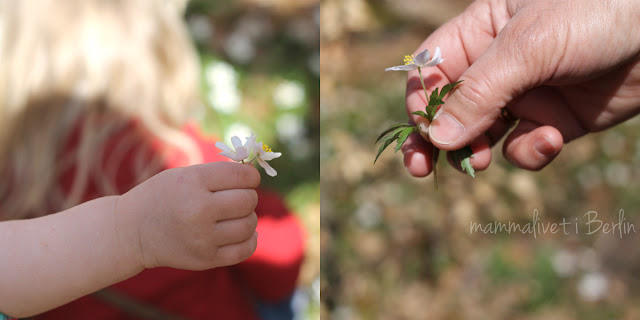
[[423, 86], [436, 154], [251, 161]]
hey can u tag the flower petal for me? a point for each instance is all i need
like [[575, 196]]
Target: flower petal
[[406, 67], [229, 155], [236, 142], [422, 58], [241, 153], [267, 168], [223, 147], [251, 141], [233, 156], [257, 149], [437, 58], [270, 155]]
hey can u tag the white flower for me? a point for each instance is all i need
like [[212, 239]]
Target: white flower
[[289, 94], [419, 61], [593, 286], [239, 152], [222, 87], [263, 154]]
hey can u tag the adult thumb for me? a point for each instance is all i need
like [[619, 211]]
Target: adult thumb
[[505, 70]]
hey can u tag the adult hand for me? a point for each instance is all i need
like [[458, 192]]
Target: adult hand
[[564, 68]]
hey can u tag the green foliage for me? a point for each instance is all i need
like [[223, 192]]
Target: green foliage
[[401, 132], [393, 128], [421, 113], [436, 99], [463, 157], [447, 88]]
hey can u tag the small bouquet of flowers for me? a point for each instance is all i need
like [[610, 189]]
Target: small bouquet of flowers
[[241, 152], [400, 132]]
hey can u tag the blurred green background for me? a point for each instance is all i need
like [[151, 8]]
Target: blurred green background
[[393, 248], [260, 72]]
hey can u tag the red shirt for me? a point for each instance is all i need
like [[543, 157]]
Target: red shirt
[[220, 293]]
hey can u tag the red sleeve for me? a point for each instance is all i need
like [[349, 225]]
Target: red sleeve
[[271, 273]]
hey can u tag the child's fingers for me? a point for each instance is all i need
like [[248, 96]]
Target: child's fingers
[[232, 204], [235, 230], [228, 175], [237, 252]]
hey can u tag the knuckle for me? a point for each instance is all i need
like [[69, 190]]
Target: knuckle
[[248, 199], [473, 93], [237, 172], [252, 245], [244, 251], [250, 224], [252, 198], [237, 255]]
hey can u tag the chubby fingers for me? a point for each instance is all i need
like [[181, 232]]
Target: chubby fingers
[[235, 230], [236, 252], [232, 204], [227, 175]]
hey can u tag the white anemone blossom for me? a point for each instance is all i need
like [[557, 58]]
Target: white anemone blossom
[[240, 152], [263, 153], [421, 60]]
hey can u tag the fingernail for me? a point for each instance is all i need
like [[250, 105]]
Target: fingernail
[[424, 130], [445, 129], [544, 146]]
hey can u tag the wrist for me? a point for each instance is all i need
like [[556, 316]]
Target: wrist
[[127, 231]]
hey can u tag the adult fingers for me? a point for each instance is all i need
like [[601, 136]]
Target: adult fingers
[[481, 154], [462, 41], [418, 155], [532, 146], [521, 57]]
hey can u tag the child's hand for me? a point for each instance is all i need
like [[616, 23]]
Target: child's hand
[[194, 218]]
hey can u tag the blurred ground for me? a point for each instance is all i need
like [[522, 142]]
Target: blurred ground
[[260, 72], [393, 248]]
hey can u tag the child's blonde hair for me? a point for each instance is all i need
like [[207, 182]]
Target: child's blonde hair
[[84, 61]]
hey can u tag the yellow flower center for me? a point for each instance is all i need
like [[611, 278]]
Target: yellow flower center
[[408, 59], [266, 148]]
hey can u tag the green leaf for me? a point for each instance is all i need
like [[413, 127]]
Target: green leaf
[[463, 157], [386, 142], [433, 107], [403, 136], [421, 113], [392, 128], [434, 96], [448, 88]]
